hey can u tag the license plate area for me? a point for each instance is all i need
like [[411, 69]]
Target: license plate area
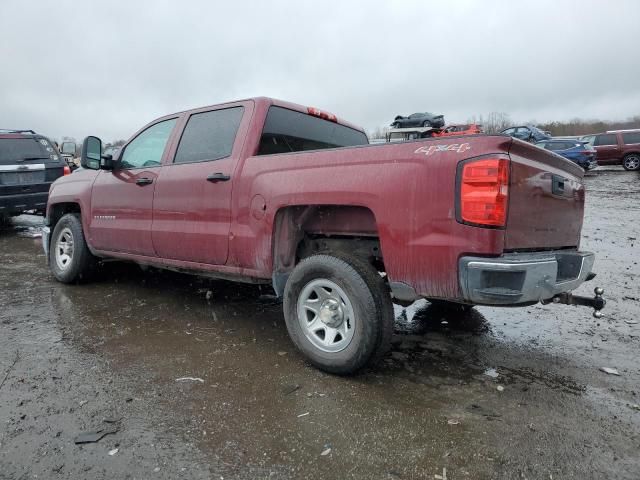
[[22, 178]]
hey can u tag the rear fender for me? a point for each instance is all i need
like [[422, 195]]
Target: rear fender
[[301, 231]]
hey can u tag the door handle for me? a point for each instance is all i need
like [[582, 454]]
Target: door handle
[[218, 177], [144, 181]]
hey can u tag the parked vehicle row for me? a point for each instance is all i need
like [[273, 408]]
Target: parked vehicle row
[[611, 148], [266, 191]]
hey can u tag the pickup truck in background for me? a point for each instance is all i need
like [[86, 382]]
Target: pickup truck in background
[[267, 191]]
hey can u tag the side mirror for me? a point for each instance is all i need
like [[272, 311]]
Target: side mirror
[[91, 153], [107, 162], [68, 148]]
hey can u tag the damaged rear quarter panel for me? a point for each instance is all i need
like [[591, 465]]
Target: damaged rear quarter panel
[[411, 194]]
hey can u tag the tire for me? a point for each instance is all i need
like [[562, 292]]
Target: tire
[[426, 123], [70, 260], [363, 318], [631, 162]]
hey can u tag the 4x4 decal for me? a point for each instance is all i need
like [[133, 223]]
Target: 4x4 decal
[[452, 147]]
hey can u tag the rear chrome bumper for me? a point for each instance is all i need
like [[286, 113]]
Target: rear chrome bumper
[[521, 278]]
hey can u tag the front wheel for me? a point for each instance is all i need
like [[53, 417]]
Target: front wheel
[[338, 312], [631, 161], [69, 257]]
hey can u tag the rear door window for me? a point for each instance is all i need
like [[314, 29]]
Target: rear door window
[[290, 131], [209, 135], [630, 138], [606, 139], [14, 150], [147, 148]]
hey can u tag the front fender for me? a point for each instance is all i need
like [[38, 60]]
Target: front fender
[[74, 189]]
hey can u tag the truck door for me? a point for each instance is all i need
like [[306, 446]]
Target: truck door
[[122, 199], [192, 206]]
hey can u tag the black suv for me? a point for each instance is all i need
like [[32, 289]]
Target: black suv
[[29, 163]]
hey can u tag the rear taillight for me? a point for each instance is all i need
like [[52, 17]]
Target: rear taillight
[[66, 170], [484, 191]]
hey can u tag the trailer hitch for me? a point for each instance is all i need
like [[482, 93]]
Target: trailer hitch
[[597, 302]]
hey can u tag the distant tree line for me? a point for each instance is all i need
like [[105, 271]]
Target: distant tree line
[[497, 121], [583, 127]]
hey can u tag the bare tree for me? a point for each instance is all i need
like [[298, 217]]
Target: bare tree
[[494, 122], [379, 132], [115, 143]]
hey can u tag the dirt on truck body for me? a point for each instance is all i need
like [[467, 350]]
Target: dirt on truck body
[[267, 191]]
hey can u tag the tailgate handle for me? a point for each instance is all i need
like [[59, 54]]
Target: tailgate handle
[[557, 185]]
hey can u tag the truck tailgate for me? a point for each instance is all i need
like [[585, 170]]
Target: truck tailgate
[[546, 200]]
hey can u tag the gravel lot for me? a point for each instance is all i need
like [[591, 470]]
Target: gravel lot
[[73, 356]]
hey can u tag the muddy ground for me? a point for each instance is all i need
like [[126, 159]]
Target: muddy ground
[[72, 357]]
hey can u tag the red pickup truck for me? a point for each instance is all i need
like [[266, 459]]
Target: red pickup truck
[[267, 191]]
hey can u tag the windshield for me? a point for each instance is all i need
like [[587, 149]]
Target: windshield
[[14, 150]]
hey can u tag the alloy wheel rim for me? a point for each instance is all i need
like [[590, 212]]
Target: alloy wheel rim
[[632, 163], [326, 315], [64, 249]]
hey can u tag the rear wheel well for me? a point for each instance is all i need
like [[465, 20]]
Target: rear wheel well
[[303, 231]]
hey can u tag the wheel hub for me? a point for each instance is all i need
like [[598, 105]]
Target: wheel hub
[[326, 315], [331, 313]]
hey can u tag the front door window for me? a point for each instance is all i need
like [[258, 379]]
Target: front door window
[[147, 148]]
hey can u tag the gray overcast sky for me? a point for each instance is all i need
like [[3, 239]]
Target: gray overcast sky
[[82, 67]]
